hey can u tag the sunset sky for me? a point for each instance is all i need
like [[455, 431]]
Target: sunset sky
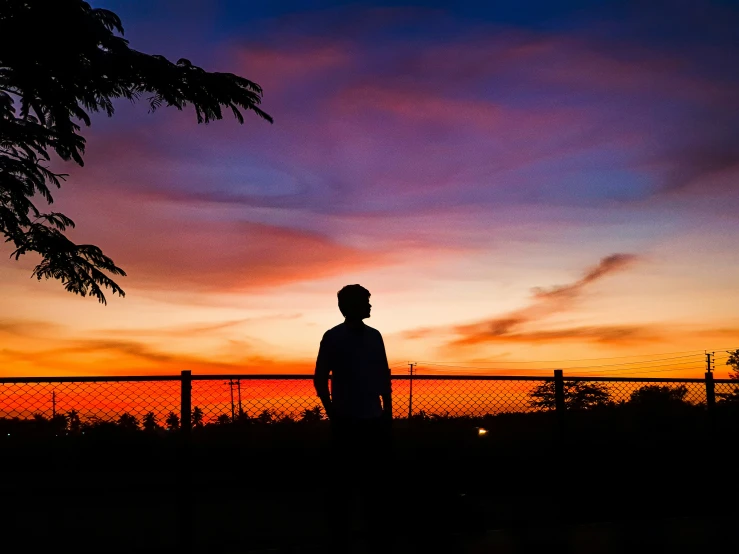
[[536, 182]]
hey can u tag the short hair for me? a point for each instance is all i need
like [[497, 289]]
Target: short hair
[[350, 296]]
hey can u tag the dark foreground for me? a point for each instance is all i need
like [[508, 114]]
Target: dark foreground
[[668, 484]]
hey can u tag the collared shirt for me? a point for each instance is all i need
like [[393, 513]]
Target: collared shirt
[[356, 360]]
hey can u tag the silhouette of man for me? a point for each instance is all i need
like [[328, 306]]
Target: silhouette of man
[[359, 406]]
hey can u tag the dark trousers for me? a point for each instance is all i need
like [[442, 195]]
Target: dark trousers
[[360, 460]]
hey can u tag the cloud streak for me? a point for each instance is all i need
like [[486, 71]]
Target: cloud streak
[[515, 326], [127, 356]]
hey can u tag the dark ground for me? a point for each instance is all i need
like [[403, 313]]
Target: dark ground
[[666, 484]]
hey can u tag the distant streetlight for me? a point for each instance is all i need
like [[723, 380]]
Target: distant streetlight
[[481, 432]]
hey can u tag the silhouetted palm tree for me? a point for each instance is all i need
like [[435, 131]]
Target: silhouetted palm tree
[[312, 415], [73, 421], [60, 61], [197, 417], [128, 422], [172, 421], [266, 416], [150, 422]]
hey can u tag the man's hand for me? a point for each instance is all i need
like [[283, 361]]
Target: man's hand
[[387, 407], [328, 406]]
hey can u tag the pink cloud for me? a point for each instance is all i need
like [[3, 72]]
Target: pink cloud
[[229, 256], [277, 67]]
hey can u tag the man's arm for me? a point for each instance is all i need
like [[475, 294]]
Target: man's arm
[[320, 378], [386, 392]]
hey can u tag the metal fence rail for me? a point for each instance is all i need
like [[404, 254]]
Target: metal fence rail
[[184, 400]]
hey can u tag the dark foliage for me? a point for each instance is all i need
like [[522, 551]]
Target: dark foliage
[[150, 423], [733, 396], [578, 395], [60, 61], [312, 415], [73, 422], [128, 422], [197, 417], [172, 421], [659, 397]]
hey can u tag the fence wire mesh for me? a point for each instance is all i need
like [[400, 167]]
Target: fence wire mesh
[[88, 401], [225, 398], [624, 390], [468, 396], [154, 402], [727, 392]]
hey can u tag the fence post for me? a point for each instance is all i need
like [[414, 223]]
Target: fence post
[[183, 491], [710, 397], [186, 402], [559, 398]]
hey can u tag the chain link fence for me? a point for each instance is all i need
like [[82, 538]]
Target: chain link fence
[[156, 402]]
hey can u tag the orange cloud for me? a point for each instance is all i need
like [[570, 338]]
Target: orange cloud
[[26, 328], [133, 357], [606, 334], [511, 327], [609, 264]]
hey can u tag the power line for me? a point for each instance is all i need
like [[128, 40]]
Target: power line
[[636, 368], [696, 352], [600, 365], [635, 371], [574, 367]]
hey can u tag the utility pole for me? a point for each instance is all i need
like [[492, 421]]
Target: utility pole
[[710, 389], [233, 410], [410, 392]]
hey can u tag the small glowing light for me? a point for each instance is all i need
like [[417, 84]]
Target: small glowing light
[[481, 432], [8, 434]]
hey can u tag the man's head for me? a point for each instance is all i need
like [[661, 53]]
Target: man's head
[[354, 302]]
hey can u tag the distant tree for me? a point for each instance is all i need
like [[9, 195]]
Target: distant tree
[[223, 419], [172, 421], [128, 422], [266, 416], [284, 419], [150, 422], [578, 395], [60, 61], [58, 423], [73, 422], [100, 427], [197, 417], [733, 362], [658, 397], [312, 415]]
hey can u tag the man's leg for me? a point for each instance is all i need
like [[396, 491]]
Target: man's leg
[[339, 507], [376, 455]]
